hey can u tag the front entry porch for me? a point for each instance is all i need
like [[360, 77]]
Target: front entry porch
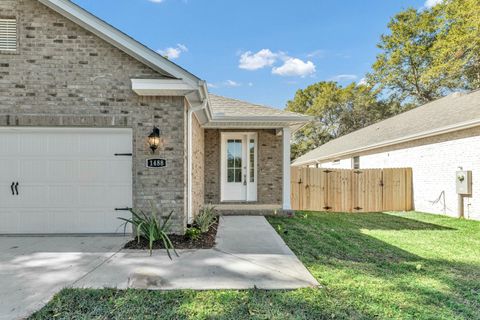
[[244, 171]]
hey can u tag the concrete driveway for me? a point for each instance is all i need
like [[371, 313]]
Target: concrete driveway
[[248, 253]]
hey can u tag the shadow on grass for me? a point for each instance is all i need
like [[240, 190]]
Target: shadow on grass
[[362, 277], [341, 255]]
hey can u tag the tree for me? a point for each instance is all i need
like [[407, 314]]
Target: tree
[[429, 53], [337, 110], [456, 51], [400, 70]]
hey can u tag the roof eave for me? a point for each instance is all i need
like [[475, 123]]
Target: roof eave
[[424, 134]]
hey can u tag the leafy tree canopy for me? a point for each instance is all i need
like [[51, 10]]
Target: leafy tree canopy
[[337, 111], [425, 55]]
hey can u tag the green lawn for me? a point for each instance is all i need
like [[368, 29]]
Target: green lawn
[[386, 266]]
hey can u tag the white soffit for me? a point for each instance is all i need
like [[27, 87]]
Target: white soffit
[[161, 87]]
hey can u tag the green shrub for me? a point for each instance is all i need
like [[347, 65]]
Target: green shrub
[[193, 233], [206, 218], [148, 226]]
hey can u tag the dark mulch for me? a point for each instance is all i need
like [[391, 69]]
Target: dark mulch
[[205, 241]]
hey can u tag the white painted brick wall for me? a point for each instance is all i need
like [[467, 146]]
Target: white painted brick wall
[[434, 168], [342, 164], [434, 162]]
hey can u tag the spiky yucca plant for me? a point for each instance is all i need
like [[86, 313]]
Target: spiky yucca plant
[[149, 227]]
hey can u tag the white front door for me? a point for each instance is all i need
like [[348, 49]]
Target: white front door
[[239, 167], [64, 180]]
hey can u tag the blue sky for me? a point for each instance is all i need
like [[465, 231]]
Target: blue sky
[[261, 51]]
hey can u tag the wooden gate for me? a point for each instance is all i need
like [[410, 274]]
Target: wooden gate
[[339, 190]]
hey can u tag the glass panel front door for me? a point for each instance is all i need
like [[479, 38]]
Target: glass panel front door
[[239, 167]]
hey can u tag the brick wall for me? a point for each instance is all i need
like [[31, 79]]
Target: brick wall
[[198, 173], [434, 162], [63, 75], [270, 167]]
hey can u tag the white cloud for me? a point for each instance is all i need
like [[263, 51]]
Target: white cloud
[[227, 84], [261, 59], [231, 84], [344, 77], [432, 3], [156, 1], [316, 53], [173, 52], [294, 67]]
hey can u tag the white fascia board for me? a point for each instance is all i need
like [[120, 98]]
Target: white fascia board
[[120, 40], [161, 87], [421, 135]]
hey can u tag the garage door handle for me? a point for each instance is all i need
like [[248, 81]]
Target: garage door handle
[[11, 187], [123, 209], [16, 188]]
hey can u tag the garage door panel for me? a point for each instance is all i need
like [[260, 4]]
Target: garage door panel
[[93, 170], [120, 171], [9, 144], [33, 196], [63, 195], [62, 145], [33, 220], [8, 218], [119, 196], [33, 144], [8, 169], [92, 195], [94, 145], [59, 218], [116, 144], [63, 170], [34, 169], [69, 180]]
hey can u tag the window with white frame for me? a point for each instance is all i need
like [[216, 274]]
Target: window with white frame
[[8, 34]]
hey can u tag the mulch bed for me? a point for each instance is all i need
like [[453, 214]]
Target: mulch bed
[[205, 241]]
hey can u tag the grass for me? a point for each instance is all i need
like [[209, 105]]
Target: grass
[[370, 266]]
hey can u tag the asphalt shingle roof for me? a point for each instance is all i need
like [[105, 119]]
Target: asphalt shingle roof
[[451, 110], [227, 107]]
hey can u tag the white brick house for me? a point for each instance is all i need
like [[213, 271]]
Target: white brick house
[[434, 140]]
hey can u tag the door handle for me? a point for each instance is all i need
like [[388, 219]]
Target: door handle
[[16, 188], [11, 187], [244, 179]]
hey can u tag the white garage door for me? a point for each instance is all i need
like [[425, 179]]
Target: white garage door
[[64, 180]]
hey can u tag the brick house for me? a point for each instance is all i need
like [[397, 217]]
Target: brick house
[[436, 140], [93, 122]]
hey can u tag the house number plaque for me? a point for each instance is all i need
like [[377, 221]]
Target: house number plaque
[[156, 163]]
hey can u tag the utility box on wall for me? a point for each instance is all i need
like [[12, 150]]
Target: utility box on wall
[[464, 182]]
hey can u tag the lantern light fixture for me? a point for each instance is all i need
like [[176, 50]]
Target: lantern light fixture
[[154, 139]]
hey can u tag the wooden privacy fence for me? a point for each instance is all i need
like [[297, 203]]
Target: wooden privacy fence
[[362, 190]]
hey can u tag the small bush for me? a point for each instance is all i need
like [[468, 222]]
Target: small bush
[[149, 227], [206, 218], [193, 233]]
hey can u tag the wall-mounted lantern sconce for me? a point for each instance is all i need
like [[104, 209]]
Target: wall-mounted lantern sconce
[[154, 139]]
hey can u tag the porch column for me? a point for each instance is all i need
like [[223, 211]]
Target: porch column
[[286, 168]]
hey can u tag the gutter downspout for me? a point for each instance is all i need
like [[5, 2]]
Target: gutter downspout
[[191, 110]]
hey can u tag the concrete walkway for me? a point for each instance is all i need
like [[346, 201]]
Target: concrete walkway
[[248, 253]]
